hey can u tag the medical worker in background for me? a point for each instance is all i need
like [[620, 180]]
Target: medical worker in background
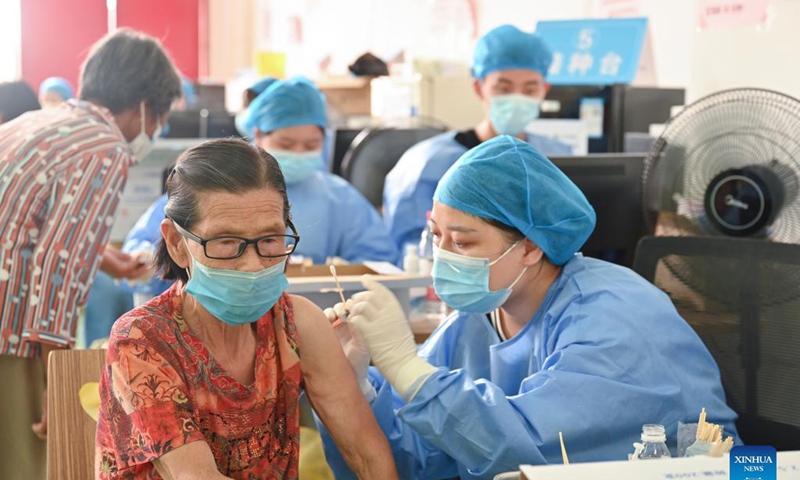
[[510, 71], [288, 120], [54, 91]]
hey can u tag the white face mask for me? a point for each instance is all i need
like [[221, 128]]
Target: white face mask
[[142, 144]]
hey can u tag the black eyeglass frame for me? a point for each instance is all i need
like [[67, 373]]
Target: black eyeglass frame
[[243, 247]]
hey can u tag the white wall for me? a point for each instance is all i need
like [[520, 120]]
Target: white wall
[[10, 39], [767, 57], [701, 61]]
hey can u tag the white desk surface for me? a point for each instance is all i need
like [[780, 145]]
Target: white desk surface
[[675, 468]]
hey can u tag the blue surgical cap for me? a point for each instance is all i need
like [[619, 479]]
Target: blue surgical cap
[[261, 85], [287, 104], [57, 85], [507, 180], [509, 48]]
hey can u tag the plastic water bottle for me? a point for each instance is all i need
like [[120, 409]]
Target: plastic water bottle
[[654, 443], [425, 252], [411, 260]]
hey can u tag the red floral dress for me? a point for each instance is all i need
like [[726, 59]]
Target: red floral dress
[[162, 389]]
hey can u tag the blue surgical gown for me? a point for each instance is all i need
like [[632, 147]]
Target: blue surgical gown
[[144, 235], [605, 354], [408, 190], [331, 217]]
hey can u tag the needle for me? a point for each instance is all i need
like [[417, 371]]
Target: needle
[[563, 450]]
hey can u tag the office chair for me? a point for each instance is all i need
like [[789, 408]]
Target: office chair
[[373, 154], [742, 297]]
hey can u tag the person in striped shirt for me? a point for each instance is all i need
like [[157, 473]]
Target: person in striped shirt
[[62, 172]]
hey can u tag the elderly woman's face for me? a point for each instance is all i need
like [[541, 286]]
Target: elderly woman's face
[[251, 214], [458, 232]]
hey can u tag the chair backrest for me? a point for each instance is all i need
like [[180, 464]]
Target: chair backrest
[[742, 297], [70, 435], [374, 153]]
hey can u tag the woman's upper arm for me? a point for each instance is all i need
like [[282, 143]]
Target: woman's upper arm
[[326, 371]]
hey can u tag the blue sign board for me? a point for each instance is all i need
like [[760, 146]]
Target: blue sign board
[[594, 52]]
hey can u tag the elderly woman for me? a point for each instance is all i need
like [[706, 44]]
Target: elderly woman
[[204, 380], [543, 340]]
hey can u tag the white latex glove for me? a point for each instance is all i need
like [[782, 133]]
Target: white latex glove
[[381, 322], [354, 349]]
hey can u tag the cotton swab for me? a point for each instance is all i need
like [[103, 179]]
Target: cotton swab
[[338, 286], [563, 450]]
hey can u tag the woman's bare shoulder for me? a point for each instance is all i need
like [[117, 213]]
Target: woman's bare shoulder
[[312, 325]]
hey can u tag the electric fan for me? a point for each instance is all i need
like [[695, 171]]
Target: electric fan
[[722, 181], [728, 166]]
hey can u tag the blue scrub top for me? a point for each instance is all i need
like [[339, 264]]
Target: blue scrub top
[[408, 190], [331, 217], [605, 354], [334, 219]]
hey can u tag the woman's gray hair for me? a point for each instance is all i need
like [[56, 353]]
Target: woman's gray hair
[[227, 165], [127, 67]]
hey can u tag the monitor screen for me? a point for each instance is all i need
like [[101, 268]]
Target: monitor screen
[[612, 184]]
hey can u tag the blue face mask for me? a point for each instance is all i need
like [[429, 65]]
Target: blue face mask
[[297, 167], [237, 298], [511, 113], [463, 282]]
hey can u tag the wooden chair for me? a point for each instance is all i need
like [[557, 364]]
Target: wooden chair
[[70, 431]]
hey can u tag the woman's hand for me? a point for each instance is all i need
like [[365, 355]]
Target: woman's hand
[[121, 265], [354, 348]]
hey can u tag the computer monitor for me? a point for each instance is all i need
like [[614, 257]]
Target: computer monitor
[[183, 124], [210, 96], [218, 125], [201, 124], [612, 184]]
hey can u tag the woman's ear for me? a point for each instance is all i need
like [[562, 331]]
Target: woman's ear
[[532, 254], [175, 244]]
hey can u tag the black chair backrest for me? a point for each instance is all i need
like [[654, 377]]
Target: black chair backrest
[[374, 153], [342, 138], [742, 297]]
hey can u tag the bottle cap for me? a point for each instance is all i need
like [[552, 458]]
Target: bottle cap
[[654, 433]]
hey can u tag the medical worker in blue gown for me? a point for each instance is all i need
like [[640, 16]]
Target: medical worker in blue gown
[[542, 340], [509, 69], [288, 119]]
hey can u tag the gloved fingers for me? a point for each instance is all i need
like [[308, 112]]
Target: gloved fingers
[[372, 284], [365, 309], [342, 309], [362, 297]]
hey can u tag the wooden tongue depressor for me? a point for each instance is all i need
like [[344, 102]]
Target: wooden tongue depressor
[[563, 450], [339, 288]]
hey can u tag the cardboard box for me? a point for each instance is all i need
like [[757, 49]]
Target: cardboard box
[[347, 95], [298, 270]]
